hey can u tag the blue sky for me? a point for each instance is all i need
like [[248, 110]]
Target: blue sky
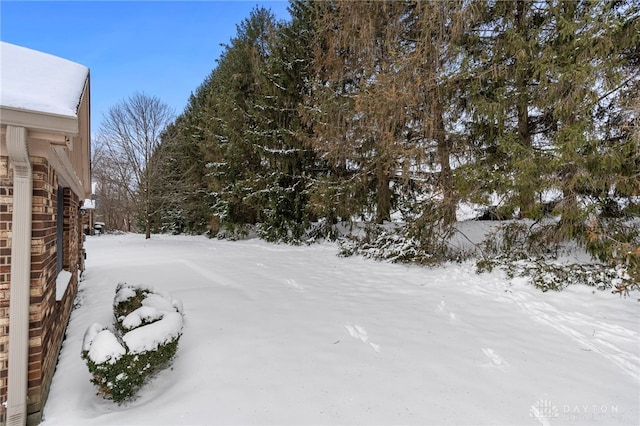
[[164, 49]]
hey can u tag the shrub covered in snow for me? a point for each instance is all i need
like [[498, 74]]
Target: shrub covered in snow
[[524, 250], [385, 245], [147, 327], [617, 243], [547, 274], [528, 249], [401, 245]]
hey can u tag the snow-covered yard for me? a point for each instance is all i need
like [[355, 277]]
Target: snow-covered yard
[[276, 334]]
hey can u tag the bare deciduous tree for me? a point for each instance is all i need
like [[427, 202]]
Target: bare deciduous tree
[[113, 205], [130, 133]]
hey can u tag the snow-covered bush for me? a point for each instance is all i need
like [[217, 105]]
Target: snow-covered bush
[[547, 274], [385, 246], [524, 250], [147, 327], [401, 245], [617, 243]]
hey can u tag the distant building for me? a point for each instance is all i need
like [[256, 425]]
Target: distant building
[[44, 180]]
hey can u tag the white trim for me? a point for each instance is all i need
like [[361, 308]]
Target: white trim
[[54, 139], [20, 276], [41, 121], [59, 159]]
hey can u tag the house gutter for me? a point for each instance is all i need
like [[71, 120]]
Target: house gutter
[[18, 149]]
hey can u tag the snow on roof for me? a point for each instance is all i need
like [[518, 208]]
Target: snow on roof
[[40, 82]]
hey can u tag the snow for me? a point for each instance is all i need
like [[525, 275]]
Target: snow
[[40, 82], [140, 315], [89, 204], [162, 301], [150, 336], [124, 294], [102, 345], [275, 334], [62, 282]]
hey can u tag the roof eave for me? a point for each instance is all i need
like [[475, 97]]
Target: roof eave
[[41, 121]]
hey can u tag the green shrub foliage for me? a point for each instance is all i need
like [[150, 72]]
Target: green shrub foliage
[[523, 250], [403, 245], [147, 327]]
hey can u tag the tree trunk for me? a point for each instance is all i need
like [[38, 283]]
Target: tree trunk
[[383, 193], [147, 190], [525, 185], [446, 178]]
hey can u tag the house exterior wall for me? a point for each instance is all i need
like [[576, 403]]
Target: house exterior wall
[[48, 317], [49, 142]]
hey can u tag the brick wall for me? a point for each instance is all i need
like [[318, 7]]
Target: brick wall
[[47, 317]]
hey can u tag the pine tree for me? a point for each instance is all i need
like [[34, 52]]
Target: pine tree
[[430, 71], [584, 61], [597, 158], [282, 143], [355, 105], [231, 151], [547, 80], [243, 135], [506, 105]]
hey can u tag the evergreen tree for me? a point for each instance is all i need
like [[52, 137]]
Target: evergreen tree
[[430, 71], [288, 161], [370, 108], [585, 65], [355, 105], [547, 81], [184, 160], [506, 105], [228, 129], [240, 145], [183, 202]]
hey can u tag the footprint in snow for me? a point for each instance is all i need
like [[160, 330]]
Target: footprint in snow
[[496, 360], [442, 307], [360, 333], [294, 284]]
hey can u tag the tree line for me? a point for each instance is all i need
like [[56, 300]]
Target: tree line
[[403, 111]]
